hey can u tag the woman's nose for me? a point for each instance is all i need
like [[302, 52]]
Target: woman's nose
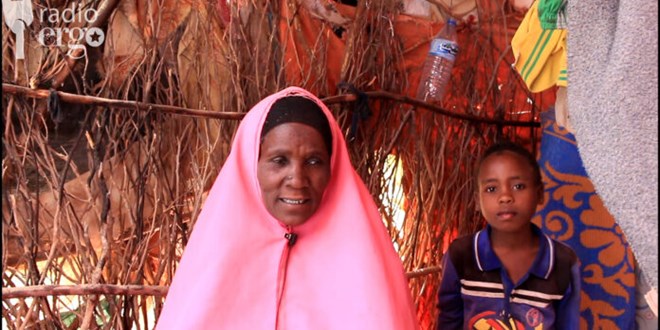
[[296, 177]]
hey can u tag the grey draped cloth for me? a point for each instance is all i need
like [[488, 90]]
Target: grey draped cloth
[[613, 107]]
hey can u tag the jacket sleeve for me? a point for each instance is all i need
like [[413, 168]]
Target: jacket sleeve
[[450, 303], [568, 311]]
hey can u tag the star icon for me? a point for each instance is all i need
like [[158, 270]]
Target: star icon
[[94, 37]]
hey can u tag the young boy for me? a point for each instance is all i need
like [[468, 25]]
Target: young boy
[[509, 275]]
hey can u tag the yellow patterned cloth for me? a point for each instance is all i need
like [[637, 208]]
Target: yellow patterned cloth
[[540, 54]]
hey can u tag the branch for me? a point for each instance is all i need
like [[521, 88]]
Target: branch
[[344, 98], [83, 289], [113, 289], [93, 100], [430, 107], [420, 272]]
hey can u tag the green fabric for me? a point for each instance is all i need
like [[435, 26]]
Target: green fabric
[[552, 13]]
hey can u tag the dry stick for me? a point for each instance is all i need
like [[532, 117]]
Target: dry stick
[[428, 187], [100, 101], [28, 316], [423, 271], [93, 100], [60, 197], [113, 289], [97, 273], [398, 131], [45, 305], [431, 107], [83, 289], [32, 271], [7, 316]]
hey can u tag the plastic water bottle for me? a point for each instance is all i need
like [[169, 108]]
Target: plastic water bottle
[[439, 62]]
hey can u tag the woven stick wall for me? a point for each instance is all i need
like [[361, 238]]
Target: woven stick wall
[[108, 151]]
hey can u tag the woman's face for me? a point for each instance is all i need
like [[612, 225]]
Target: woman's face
[[293, 171]]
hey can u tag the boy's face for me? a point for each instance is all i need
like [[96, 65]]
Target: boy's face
[[508, 192]]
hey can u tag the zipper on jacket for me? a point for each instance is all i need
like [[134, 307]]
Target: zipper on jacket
[[291, 238]]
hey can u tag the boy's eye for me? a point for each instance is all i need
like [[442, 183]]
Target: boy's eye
[[489, 189], [518, 186]]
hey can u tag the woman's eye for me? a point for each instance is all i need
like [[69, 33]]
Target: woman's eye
[[314, 161], [279, 160]]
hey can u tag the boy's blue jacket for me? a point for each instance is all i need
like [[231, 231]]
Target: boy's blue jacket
[[477, 293]]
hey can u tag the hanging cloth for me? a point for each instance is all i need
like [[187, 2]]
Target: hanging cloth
[[539, 46]]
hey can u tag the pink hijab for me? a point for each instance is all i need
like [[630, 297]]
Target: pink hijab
[[237, 271]]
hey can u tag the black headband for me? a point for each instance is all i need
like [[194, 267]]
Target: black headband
[[298, 109]]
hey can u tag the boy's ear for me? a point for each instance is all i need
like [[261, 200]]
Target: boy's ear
[[541, 194]]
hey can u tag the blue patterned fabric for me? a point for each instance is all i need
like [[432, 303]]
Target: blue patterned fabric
[[573, 213]]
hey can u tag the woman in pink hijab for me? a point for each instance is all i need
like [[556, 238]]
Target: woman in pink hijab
[[289, 237]]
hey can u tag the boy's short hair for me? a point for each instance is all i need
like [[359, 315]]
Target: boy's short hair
[[516, 148]]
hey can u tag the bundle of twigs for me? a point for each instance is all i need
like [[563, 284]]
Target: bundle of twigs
[[107, 158]]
